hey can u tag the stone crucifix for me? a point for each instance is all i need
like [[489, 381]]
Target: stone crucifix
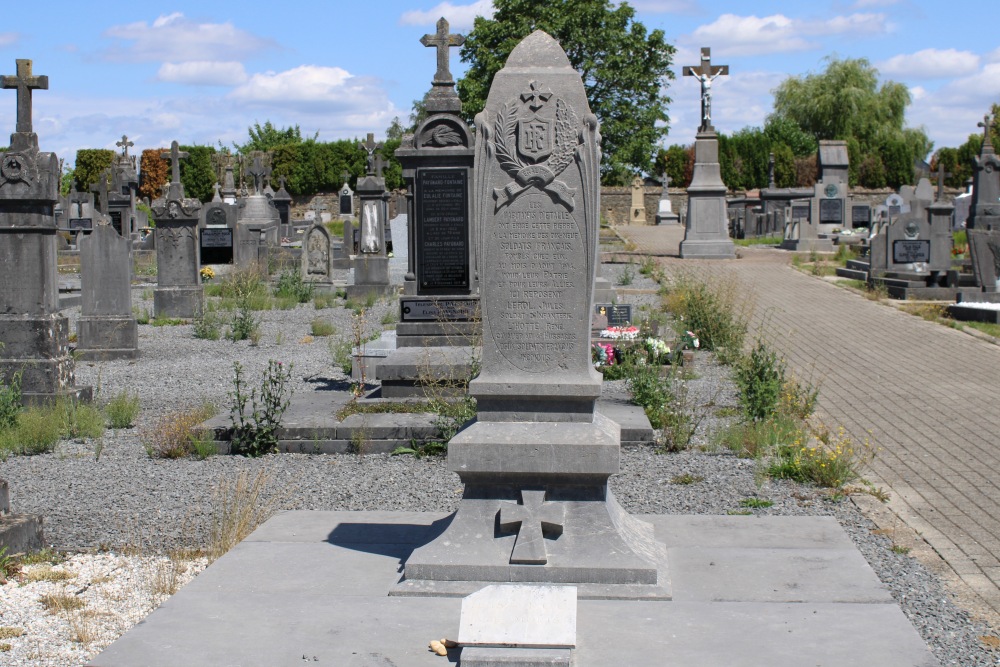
[[370, 147], [706, 73], [442, 41], [987, 124], [257, 171], [941, 175], [532, 519], [124, 144], [24, 82], [175, 156], [318, 208], [100, 188]]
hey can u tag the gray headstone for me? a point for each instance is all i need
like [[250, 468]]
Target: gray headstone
[[107, 328], [317, 255], [985, 248]]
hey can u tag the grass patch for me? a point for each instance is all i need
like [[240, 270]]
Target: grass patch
[[756, 503], [686, 479], [55, 603], [162, 321], [173, 435], [986, 327], [320, 327], [10, 632], [325, 300], [48, 573], [759, 240], [716, 311], [852, 283], [239, 506], [122, 410]]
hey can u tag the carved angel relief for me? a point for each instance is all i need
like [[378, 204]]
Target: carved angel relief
[[534, 142]]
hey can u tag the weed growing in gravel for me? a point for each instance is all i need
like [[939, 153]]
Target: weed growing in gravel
[[254, 433], [291, 286], [239, 506], [832, 460], [320, 327], [172, 435], [627, 275], [79, 420], [651, 391], [756, 503], [55, 603], [758, 439], [208, 326], [321, 301], [244, 323], [48, 573], [10, 401], [760, 377], [686, 479], [122, 409], [10, 632], [718, 312]]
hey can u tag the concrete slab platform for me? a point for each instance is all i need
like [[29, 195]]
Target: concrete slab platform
[[313, 587]]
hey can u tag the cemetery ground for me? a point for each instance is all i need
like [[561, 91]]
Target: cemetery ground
[[135, 511]]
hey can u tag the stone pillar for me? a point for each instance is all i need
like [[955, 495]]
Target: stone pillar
[[35, 335], [107, 328], [637, 213], [178, 292], [706, 235], [371, 265]]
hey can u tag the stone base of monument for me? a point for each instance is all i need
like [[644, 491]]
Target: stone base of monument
[[747, 590], [38, 348], [19, 533], [669, 218], [968, 312], [371, 276], [808, 245], [718, 249], [106, 338], [604, 291], [537, 508], [184, 302], [426, 371]]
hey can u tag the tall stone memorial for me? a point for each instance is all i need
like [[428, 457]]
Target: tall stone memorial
[[35, 335], [535, 463], [984, 217], [706, 233], [371, 266], [178, 292], [107, 329]]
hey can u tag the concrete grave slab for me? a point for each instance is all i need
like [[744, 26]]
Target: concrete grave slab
[[510, 615]]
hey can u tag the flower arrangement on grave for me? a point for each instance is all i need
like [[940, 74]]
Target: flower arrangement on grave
[[958, 251], [658, 351], [689, 341], [207, 273], [626, 332], [602, 354]]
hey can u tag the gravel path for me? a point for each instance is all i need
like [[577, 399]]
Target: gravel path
[[112, 496]]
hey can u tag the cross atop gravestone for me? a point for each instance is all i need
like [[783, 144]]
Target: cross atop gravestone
[[344, 175], [101, 188], [318, 208], [258, 171], [124, 144], [987, 124], [370, 147], [941, 175], [770, 171], [24, 82], [706, 73], [442, 41], [281, 182], [175, 156]]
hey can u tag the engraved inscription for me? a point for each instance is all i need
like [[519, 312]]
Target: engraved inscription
[[537, 248], [443, 229]]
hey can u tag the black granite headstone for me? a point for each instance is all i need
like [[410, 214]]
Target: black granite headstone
[[831, 211], [908, 252], [442, 201]]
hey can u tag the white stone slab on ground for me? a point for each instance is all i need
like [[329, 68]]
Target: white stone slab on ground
[[519, 615]]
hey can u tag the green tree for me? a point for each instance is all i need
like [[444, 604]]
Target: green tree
[[90, 164], [197, 172], [781, 130], [784, 165], [673, 162], [267, 137], [624, 70]]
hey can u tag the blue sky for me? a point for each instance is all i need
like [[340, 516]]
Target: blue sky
[[201, 72]]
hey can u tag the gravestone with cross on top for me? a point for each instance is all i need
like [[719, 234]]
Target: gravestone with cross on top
[[34, 333], [985, 209], [371, 265]]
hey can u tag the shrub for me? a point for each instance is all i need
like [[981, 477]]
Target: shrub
[[255, 433], [651, 391], [208, 326], [717, 312], [291, 285], [760, 378], [172, 435], [10, 401], [320, 327], [122, 410]]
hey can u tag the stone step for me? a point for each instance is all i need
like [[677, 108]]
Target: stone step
[[852, 274]]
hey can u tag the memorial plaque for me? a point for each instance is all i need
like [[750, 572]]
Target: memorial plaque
[[116, 221], [442, 230], [81, 223], [911, 252], [894, 211], [831, 211], [439, 310], [346, 202], [800, 212], [216, 238], [614, 314], [861, 216]]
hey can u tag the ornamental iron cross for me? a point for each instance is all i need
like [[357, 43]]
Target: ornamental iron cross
[[24, 82], [124, 144], [706, 72], [533, 518], [442, 41], [175, 156]]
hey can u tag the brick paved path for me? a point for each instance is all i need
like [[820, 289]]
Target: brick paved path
[[929, 394]]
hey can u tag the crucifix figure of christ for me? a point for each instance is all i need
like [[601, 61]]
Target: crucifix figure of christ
[[175, 156], [257, 172], [24, 82], [369, 146], [706, 73], [442, 41]]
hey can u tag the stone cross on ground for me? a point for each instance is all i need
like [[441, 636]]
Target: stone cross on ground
[[124, 144], [706, 72], [175, 156], [532, 519], [318, 208], [370, 147], [941, 175], [442, 41], [24, 82], [987, 124]]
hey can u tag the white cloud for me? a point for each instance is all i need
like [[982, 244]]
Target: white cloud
[[203, 73], [175, 38], [737, 102], [665, 6], [862, 4], [753, 35], [460, 17], [930, 64], [8, 38], [993, 56]]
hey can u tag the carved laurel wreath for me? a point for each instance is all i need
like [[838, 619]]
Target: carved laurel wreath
[[566, 139]]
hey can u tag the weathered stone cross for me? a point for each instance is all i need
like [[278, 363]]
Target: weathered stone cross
[[532, 518], [175, 156], [101, 188], [345, 176], [318, 208], [941, 175], [281, 182], [706, 72], [987, 124], [124, 144], [442, 41], [24, 82], [370, 147]]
